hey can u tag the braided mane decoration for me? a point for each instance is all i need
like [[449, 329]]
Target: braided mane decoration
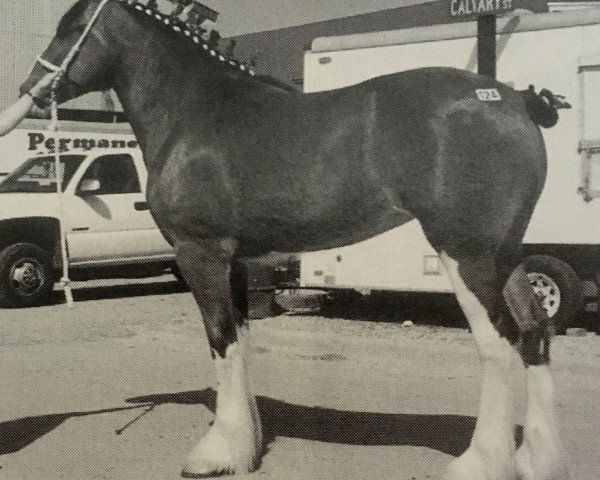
[[172, 20]]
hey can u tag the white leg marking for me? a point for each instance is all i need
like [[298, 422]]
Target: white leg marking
[[491, 453], [541, 457], [233, 443]]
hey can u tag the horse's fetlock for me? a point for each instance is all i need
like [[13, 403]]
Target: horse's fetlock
[[220, 337]]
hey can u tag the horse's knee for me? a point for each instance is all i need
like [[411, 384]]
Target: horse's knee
[[220, 318], [207, 268]]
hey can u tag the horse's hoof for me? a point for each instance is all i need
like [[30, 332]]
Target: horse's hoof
[[210, 458], [470, 466], [215, 456]]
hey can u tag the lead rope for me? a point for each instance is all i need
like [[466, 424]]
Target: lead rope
[[65, 281]]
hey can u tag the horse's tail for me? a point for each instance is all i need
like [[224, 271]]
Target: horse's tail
[[543, 107]]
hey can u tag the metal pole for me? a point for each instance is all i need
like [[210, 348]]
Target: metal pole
[[486, 45]]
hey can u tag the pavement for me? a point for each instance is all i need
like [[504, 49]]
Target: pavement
[[339, 398]]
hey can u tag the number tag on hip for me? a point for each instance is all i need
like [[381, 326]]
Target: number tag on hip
[[488, 94]]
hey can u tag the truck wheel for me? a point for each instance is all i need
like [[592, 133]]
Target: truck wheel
[[26, 276], [558, 286]]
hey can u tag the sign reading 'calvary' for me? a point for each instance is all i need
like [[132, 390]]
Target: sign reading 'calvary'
[[468, 8]]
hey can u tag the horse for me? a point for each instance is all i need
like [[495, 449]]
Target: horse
[[241, 165]]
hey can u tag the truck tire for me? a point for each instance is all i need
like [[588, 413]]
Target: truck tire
[[558, 286], [26, 275]]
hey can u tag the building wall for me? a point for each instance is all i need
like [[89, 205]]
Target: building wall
[[280, 53]]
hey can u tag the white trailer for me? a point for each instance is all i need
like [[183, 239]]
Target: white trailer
[[558, 51]]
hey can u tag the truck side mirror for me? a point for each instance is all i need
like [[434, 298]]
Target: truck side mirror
[[88, 187]]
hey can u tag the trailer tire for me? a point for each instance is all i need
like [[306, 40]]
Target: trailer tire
[[26, 275], [559, 288]]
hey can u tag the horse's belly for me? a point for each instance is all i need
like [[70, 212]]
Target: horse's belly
[[276, 233]]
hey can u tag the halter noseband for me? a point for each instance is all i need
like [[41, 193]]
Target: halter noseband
[[48, 65]]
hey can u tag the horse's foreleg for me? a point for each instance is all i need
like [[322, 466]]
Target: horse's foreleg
[[233, 443], [491, 454], [541, 455]]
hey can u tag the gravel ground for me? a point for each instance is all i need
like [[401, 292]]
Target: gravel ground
[[341, 398]]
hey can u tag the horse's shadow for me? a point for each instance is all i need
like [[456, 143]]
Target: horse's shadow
[[18, 434], [449, 434]]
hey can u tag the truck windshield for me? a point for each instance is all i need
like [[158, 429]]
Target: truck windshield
[[38, 175]]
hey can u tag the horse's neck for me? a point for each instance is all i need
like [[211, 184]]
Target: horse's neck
[[168, 92], [158, 96]]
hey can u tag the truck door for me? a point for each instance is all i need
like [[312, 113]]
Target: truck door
[[107, 217]]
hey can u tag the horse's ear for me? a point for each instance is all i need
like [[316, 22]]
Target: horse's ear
[[70, 17]]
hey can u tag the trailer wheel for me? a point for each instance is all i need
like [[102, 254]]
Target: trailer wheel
[[26, 276], [558, 286]]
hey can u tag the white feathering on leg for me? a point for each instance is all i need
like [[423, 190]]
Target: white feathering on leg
[[491, 454], [234, 442], [541, 457]]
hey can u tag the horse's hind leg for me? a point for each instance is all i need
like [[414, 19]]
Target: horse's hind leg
[[233, 443], [541, 455], [491, 454]]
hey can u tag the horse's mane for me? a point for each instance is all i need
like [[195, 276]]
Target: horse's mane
[[177, 26]]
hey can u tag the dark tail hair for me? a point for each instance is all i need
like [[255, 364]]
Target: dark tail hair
[[542, 107]]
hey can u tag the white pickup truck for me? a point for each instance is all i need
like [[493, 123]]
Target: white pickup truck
[[109, 229]]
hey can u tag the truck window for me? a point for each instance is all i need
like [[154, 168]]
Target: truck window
[[38, 175], [589, 122], [116, 173]]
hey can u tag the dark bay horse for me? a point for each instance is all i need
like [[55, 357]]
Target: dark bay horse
[[240, 166]]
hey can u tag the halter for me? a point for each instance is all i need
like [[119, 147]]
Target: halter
[[75, 48], [46, 64]]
